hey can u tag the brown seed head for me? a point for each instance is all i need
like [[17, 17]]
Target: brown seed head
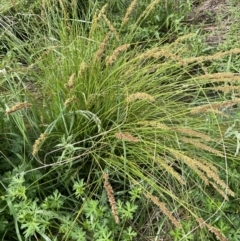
[[111, 198], [126, 136], [18, 106]]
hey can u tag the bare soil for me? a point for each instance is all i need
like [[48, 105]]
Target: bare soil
[[214, 18]]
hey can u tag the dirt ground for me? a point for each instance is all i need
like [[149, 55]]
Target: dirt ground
[[214, 17]]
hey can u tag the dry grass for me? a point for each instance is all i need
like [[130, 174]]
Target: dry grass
[[163, 208], [166, 52], [101, 48], [126, 136], [140, 96], [170, 170], [83, 66], [111, 198], [205, 172], [154, 124], [95, 21], [217, 56], [220, 77], [111, 59], [214, 106], [202, 146], [159, 53], [111, 27], [226, 89], [147, 11], [69, 100], [37, 144], [128, 12], [192, 133], [212, 229], [18, 106], [70, 83]]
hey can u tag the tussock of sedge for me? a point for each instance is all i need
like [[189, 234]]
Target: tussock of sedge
[[126, 136], [111, 198], [37, 144], [202, 146], [170, 170], [70, 83], [140, 96], [212, 229], [18, 106], [101, 49], [128, 12], [111, 59], [205, 108], [163, 208]]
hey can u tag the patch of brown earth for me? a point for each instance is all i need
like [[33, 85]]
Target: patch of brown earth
[[213, 16]]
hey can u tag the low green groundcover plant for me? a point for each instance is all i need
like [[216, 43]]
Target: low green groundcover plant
[[104, 138]]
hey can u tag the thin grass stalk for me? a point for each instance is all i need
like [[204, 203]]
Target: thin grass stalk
[[216, 56], [101, 48], [192, 133], [140, 96], [112, 58], [97, 16], [163, 208], [220, 77], [38, 142], [205, 172], [170, 170], [214, 106], [111, 198], [111, 27], [202, 146], [128, 12], [212, 229], [18, 106], [145, 13]]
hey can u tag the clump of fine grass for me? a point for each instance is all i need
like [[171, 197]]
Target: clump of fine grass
[[106, 106]]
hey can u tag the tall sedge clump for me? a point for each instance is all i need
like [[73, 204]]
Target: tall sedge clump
[[108, 104]]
